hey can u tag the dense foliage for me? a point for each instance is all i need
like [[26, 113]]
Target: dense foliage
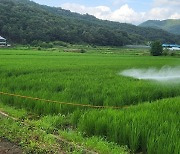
[[23, 21], [156, 48], [170, 25]]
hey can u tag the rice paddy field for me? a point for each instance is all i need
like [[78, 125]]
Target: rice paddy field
[[147, 119]]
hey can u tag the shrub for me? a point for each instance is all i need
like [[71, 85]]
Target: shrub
[[60, 43], [165, 52], [172, 53], [83, 51], [39, 48]]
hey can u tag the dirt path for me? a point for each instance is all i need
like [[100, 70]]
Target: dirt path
[[7, 147]]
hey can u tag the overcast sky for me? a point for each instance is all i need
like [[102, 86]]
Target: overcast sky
[[129, 11]]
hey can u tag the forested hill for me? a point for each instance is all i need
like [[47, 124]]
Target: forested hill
[[23, 21], [170, 25]]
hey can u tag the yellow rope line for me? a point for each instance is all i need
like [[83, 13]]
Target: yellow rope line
[[51, 101]]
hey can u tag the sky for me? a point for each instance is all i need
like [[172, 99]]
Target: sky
[[126, 11]]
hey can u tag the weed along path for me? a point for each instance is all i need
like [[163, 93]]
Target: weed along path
[[7, 147], [64, 145]]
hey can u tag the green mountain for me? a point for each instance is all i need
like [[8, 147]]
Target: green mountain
[[23, 21], [170, 25]]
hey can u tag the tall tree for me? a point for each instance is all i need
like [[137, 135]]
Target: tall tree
[[156, 48]]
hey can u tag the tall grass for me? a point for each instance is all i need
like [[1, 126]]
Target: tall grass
[[151, 128]]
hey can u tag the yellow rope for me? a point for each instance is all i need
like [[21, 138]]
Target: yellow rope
[[51, 101]]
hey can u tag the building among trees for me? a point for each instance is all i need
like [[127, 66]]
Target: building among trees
[[171, 46], [2, 41]]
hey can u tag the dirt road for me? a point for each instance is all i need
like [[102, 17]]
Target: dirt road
[[7, 147]]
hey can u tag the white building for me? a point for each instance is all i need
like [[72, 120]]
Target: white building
[[171, 46], [2, 41], [174, 48]]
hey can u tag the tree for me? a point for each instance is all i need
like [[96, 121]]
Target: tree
[[23, 21], [156, 48]]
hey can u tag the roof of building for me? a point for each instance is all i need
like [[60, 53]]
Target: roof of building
[[2, 38], [171, 45]]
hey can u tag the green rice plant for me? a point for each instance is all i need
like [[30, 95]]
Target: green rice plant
[[151, 128], [94, 78], [89, 78]]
